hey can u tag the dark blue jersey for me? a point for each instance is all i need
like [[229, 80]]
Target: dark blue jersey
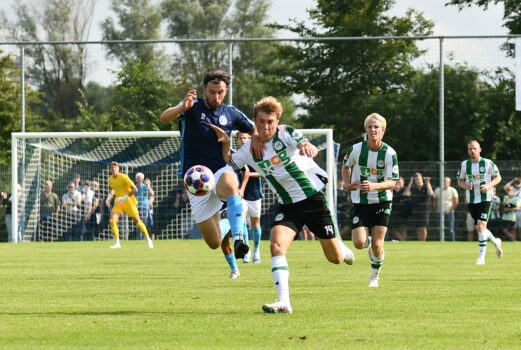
[[199, 142], [253, 190]]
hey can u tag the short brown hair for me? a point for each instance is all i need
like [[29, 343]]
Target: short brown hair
[[217, 76], [268, 105], [114, 163]]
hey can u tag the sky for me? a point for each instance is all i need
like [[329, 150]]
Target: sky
[[448, 20]]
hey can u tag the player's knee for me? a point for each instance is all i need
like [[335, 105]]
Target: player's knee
[[359, 244]]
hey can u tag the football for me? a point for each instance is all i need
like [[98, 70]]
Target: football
[[199, 180]]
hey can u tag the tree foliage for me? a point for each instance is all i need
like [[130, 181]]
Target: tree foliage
[[10, 106], [57, 70], [141, 96], [136, 20], [343, 81]]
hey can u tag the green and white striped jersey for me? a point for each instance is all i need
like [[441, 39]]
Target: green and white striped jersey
[[291, 176], [374, 166], [478, 173]]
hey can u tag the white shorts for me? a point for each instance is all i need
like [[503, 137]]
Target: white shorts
[[254, 208], [204, 207], [470, 223]]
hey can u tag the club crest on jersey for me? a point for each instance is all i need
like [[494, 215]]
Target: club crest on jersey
[[277, 145], [279, 217], [380, 163], [223, 120], [481, 169]]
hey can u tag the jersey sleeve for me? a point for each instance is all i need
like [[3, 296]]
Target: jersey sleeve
[[291, 136], [494, 171], [391, 166], [242, 122], [349, 159], [462, 174], [240, 157]]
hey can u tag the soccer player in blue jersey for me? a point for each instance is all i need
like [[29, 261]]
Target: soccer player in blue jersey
[[200, 147]]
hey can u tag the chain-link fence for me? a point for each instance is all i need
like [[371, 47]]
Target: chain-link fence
[[97, 62]]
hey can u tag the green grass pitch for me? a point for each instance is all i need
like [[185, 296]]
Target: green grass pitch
[[179, 296]]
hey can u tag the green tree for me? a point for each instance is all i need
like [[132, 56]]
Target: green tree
[[58, 70], [141, 96], [253, 62], [344, 81], [10, 107], [137, 20]]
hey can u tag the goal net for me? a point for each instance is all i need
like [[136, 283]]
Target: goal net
[[40, 158]]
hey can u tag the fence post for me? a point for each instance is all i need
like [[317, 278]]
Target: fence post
[[441, 199]]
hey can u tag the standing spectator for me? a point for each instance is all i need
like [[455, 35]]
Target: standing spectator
[[49, 205], [76, 178], [478, 176], [451, 201], [402, 209], [495, 223], [511, 205], [71, 202], [370, 172], [516, 184], [151, 199], [87, 211], [420, 191], [143, 204]]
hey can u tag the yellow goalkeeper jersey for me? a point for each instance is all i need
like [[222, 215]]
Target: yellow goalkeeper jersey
[[121, 185]]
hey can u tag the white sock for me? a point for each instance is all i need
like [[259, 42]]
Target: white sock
[[345, 250], [482, 239], [280, 274]]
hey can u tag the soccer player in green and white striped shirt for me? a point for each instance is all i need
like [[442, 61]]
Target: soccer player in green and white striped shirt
[[478, 176], [291, 173], [370, 172]]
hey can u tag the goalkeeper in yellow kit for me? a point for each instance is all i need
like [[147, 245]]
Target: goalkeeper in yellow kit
[[123, 189]]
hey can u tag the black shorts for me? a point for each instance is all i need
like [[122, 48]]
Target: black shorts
[[312, 212], [369, 215], [480, 211]]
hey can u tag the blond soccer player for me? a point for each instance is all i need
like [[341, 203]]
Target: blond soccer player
[[124, 202]]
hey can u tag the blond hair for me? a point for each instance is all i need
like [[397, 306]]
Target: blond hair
[[378, 118], [268, 105]]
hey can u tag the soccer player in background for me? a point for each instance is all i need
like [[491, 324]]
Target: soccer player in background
[[252, 195], [200, 147], [478, 176], [370, 172], [287, 165], [124, 202]]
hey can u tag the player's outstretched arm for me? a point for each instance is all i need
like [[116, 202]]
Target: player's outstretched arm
[[173, 113], [223, 138]]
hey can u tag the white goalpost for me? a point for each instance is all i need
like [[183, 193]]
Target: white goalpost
[[57, 156]]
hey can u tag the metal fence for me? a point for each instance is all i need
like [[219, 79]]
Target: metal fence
[[486, 53]]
